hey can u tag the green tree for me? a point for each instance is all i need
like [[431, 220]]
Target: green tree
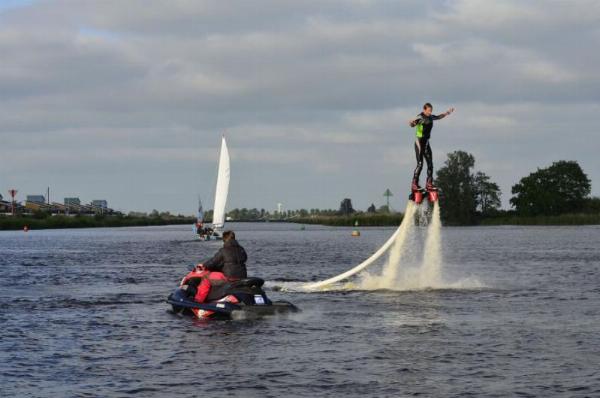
[[346, 207], [487, 194], [592, 205], [563, 187], [383, 209], [458, 198]]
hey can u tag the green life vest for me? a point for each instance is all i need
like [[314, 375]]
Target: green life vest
[[419, 130]]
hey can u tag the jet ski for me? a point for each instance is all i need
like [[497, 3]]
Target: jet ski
[[232, 300]]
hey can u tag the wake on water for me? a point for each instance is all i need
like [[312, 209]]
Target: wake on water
[[410, 264]]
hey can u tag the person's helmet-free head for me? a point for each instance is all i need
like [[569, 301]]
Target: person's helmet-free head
[[427, 109], [228, 235]]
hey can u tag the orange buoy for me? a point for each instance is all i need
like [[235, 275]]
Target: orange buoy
[[356, 232]]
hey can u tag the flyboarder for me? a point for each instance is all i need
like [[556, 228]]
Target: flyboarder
[[424, 123]]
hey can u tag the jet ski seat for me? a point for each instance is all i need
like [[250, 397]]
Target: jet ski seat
[[248, 286]]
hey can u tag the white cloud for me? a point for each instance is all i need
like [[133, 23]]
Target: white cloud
[[306, 92], [482, 14]]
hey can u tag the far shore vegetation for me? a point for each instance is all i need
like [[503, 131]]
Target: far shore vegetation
[[46, 221], [555, 195]]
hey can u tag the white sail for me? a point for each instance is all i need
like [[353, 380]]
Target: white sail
[[222, 187]]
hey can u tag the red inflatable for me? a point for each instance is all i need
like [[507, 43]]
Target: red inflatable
[[207, 281]]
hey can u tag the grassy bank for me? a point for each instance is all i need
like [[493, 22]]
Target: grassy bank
[[563, 219], [371, 220], [16, 223], [364, 220]]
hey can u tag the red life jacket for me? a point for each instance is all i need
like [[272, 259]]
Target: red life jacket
[[208, 279]]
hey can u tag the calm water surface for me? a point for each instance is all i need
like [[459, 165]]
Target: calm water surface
[[83, 314]]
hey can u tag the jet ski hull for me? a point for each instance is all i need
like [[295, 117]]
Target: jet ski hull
[[256, 306]]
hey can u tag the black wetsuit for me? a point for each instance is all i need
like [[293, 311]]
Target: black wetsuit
[[423, 125]]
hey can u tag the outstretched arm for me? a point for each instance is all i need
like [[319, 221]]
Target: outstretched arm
[[443, 115]]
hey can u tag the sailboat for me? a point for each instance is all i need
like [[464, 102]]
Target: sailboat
[[199, 225], [221, 192]]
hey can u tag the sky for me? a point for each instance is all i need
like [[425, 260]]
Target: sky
[[127, 101]]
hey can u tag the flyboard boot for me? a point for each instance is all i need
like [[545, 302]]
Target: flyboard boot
[[432, 191], [417, 193]]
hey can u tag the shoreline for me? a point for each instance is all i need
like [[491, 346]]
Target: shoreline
[[364, 220], [560, 220], [9, 223], [573, 219]]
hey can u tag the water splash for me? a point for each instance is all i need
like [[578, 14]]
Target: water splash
[[398, 236], [416, 262], [390, 270], [414, 259], [403, 271], [431, 267]]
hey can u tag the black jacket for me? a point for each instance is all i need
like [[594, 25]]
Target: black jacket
[[230, 260]]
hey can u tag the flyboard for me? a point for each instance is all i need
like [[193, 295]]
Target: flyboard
[[416, 198]]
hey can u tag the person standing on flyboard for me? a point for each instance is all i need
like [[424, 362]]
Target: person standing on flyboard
[[423, 124]]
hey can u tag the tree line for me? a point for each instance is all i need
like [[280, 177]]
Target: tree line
[[346, 209], [255, 214], [467, 197]]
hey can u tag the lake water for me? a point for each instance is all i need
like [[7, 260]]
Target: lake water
[[83, 314]]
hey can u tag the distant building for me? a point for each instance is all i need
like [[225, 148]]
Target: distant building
[[36, 198], [100, 203], [36, 206], [58, 208], [5, 207], [72, 202]]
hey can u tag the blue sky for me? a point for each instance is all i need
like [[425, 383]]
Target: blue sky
[[126, 101]]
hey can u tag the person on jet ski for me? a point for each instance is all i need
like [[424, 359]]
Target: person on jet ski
[[228, 264], [230, 260]]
